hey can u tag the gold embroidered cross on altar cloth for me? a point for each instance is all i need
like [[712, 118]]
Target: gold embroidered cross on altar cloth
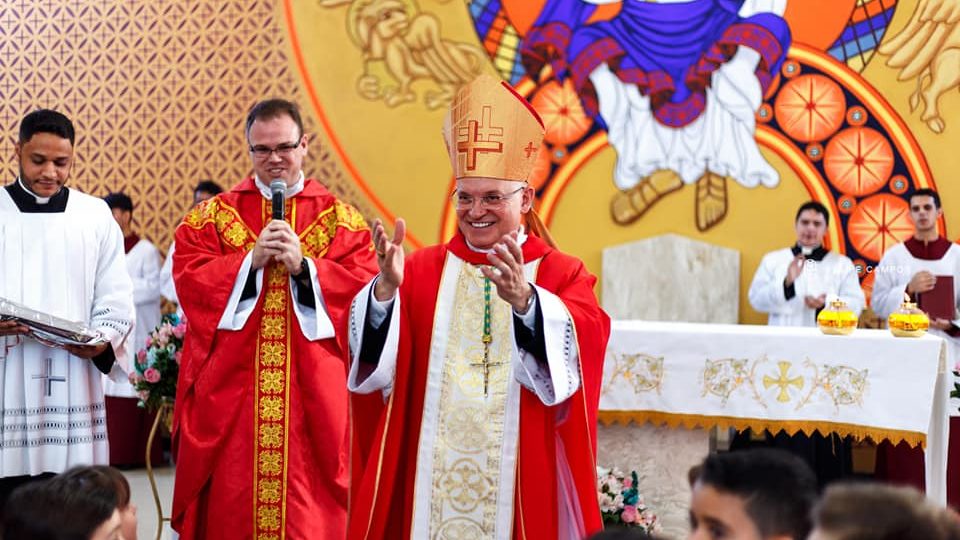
[[782, 378]]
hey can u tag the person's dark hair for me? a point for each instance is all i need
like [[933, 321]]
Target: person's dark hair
[[105, 473], [816, 207], [927, 192], [70, 506], [777, 487], [208, 186], [878, 512], [119, 200], [46, 121], [273, 108], [693, 474]]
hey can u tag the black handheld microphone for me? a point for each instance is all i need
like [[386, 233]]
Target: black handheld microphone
[[278, 188]]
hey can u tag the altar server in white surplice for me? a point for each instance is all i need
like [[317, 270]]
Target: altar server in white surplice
[[793, 284], [61, 252], [206, 189], [143, 266], [913, 267], [128, 425]]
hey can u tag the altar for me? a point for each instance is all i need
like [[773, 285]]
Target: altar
[[868, 384]]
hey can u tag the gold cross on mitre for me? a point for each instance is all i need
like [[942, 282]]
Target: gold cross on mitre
[[491, 131], [477, 137]]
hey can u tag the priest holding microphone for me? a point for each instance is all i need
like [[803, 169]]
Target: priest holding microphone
[[265, 274]]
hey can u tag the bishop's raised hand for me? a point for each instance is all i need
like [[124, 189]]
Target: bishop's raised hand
[[390, 257], [506, 272]]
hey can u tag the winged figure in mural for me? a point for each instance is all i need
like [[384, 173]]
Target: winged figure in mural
[[928, 50], [676, 84], [408, 44]]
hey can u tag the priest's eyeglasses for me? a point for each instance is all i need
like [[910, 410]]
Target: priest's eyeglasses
[[464, 201], [263, 152]]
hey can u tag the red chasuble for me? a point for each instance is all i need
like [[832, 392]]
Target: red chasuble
[[386, 438], [260, 421]]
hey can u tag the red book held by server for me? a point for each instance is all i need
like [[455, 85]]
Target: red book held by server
[[939, 303]]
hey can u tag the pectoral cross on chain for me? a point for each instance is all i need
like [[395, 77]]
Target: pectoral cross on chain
[[487, 339], [49, 376]]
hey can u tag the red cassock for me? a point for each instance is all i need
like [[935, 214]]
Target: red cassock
[[386, 435], [260, 422]]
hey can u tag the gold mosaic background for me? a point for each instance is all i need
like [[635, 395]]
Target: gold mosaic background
[[158, 91]]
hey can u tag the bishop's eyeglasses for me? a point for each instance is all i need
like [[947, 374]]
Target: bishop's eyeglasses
[[464, 201]]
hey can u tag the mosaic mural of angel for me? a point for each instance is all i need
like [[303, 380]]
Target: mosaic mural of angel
[[409, 45], [928, 50]]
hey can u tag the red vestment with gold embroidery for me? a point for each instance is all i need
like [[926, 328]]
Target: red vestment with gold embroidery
[[261, 423], [386, 441]]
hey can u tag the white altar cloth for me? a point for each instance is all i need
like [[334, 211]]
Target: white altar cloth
[[868, 384]]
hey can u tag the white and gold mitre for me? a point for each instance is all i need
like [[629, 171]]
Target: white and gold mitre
[[491, 131]]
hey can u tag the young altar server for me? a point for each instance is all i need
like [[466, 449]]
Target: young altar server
[[61, 253]]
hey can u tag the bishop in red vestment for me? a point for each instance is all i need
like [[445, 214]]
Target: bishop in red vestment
[[476, 364], [261, 413]]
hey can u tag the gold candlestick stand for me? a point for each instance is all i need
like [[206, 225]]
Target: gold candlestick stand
[[164, 413]]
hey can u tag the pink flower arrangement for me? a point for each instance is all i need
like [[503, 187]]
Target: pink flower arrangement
[[151, 375], [158, 364], [621, 503]]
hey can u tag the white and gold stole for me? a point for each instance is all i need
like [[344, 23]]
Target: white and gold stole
[[466, 465]]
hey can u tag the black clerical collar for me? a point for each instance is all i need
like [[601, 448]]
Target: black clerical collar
[[817, 254], [27, 202]]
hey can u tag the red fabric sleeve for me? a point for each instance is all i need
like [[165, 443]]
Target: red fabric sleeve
[[566, 277], [342, 271], [205, 274], [217, 374]]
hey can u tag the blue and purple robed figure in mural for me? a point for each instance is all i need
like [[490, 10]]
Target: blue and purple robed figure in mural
[[676, 85]]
